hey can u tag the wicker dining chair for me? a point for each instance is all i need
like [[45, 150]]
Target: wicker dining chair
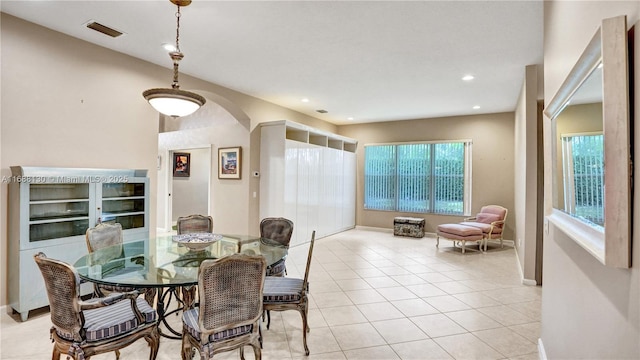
[[82, 329], [187, 225], [194, 224], [279, 230], [228, 316], [283, 293], [109, 239]]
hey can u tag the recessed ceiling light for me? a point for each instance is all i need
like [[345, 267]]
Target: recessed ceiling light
[[350, 118], [305, 100], [476, 107], [468, 77], [169, 47]]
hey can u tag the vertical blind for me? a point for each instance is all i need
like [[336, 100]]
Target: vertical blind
[[418, 177]]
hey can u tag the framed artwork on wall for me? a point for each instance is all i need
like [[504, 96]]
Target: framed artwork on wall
[[229, 163], [181, 164]]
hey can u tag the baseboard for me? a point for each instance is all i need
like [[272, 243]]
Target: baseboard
[[542, 355], [528, 282], [371, 228]]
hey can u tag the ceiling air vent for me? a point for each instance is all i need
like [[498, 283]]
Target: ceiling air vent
[[103, 29], [322, 111]]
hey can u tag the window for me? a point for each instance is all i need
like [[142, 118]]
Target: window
[[583, 171], [426, 177]]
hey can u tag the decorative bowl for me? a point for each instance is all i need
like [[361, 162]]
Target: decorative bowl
[[197, 241]]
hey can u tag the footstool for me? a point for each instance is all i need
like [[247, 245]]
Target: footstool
[[457, 232], [408, 226]]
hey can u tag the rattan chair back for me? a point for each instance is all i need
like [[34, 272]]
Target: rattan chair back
[[230, 291], [63, 289], [277, 229], [195, 224], [103, 236]]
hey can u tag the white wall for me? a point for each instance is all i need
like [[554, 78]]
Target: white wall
[[526, 173], [589, 311]]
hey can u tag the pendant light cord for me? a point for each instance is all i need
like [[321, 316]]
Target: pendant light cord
[[177, 55]]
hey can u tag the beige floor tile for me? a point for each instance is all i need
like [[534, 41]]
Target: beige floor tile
[[408, 279], [421, 350], [357, 336], [530, 309], [324, 286], [369, 272], [531, 331], [397, 293], [446, 303], [399, 330], [381, 282], [505, 315], [320, 340], [365, 296], [467, 346], [426, 290], [331, 299], [380, 311], [372, 353], [353, 284], [473, 320], [414, 307], [437, 325], [453, 287], [343, 315], [434, 277], [507, 342], [395, 270], [476, 300], [338, 355]]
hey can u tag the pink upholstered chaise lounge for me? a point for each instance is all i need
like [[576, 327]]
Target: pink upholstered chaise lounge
[[485, 226]]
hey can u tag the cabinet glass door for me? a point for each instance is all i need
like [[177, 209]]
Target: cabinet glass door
[[124, 203], [58, 210]]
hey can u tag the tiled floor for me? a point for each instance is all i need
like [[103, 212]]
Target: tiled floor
[[374, 296]]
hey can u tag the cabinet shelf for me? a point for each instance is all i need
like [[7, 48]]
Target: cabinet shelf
[[123, 198], [37, 202], [54, 219]]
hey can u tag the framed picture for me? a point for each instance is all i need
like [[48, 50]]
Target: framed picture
[[181, 164], [229, 163]]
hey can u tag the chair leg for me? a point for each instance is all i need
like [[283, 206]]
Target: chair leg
[[117, 354], [463, 245], [56, 353], [268, 319], [257, 352], [242, 352], [154, 343], [437, 240], [305, 326]]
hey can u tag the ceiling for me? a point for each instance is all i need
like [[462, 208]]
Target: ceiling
[[369, 60]]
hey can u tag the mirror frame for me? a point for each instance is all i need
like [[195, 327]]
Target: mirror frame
[[609, 45]]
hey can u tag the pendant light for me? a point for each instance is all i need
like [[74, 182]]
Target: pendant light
[[175, 102]]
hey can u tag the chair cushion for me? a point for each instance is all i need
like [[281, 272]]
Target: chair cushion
[[113, 320], [459, 229], [276, 269], [497, 210], [487, 218], [282, 290], [485, 228], [190, 320]]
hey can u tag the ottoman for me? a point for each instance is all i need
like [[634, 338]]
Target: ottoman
[[408, 226], [459, 233]]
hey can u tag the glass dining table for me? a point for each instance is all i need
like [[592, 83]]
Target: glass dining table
[[167, 266]]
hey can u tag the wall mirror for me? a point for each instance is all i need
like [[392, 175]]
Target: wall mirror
[[591, 178]]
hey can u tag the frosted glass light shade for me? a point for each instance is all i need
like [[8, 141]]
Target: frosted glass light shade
[[174, 102]]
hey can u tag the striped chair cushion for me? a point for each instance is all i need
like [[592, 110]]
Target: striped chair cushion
[[113, 320], [276, 269], [282, 290], [190, 320]]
